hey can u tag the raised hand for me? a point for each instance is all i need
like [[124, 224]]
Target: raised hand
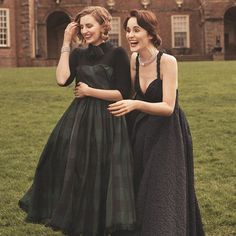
[[70, 33]]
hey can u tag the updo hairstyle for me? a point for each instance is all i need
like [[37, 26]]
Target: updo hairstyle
[[148, 21]]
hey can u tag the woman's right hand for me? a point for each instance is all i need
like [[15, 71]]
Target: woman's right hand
[[123, 107], [70, 32]]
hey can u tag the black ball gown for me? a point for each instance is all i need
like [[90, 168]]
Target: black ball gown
[[166, 203], [83, 182]]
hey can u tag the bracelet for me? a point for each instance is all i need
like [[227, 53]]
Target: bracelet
[[65, 49]]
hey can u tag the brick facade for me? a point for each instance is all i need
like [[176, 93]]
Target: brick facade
[[36, 28], [220, 19]]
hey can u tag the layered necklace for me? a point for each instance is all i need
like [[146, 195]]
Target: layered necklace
[[148, 61]]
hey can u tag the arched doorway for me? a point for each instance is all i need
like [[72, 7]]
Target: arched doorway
[[56, 24], [230, 33]]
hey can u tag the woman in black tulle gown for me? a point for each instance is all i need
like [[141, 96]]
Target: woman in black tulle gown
[[83, 181], [166, 204]]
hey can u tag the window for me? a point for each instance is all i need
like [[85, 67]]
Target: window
[[115, 31], [180, 31], [4, 28]]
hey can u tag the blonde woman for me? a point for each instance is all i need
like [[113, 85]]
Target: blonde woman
[[83, 182]]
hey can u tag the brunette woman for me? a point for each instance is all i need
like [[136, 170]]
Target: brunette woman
[[163, 154]]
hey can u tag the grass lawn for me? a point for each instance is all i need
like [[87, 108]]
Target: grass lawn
[[32, 103]]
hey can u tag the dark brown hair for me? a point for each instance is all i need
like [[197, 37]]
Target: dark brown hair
[[148, 21], [101, 15]]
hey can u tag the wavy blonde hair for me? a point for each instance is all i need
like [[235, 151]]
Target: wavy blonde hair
[[101, 15]]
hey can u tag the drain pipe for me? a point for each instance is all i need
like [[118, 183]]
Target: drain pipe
[[36, 30]]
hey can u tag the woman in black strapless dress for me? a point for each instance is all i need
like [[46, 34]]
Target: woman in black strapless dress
[[166, 203], [83, 182]]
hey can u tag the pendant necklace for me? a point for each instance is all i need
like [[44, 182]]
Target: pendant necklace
[[149, 61]]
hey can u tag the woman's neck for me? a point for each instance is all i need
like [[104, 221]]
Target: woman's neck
[[147, 56], [148, 52], [98, 43]]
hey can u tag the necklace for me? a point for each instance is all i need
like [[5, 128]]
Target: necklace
[[149, 61]]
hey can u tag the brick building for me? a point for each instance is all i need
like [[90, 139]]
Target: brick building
[[31, 31]]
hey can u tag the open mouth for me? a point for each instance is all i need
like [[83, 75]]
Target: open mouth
[[133, 43]]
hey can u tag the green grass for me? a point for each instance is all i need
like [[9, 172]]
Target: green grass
[[32, 103]]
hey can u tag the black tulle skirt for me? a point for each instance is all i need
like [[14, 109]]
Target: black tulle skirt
[[83, 182]]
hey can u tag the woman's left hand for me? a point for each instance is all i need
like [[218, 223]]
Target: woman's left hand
[[122, 107], [81, 90]]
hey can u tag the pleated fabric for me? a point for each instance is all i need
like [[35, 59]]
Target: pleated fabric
[[83, 182]]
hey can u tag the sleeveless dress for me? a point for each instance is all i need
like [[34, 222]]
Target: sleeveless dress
[[83, 182], [166, 204]]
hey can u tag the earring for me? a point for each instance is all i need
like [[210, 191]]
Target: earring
[[104, 36]]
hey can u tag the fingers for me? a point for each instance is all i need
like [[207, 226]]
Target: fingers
[[119, 112], [79, 90], [71, 29], [71, 26], [76, 93], [76, 90], [81, 85], [118, 108], [116, 103], [115, 106]]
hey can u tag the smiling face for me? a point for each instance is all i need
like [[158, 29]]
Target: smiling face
[[91, 30], [138, 38]]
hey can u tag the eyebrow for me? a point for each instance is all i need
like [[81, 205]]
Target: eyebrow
[[86, 24], [134, 28]]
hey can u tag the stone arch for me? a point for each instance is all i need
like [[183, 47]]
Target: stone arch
[[230, 33], [56, 23]]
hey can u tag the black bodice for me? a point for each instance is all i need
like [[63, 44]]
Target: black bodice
[[153, 92]]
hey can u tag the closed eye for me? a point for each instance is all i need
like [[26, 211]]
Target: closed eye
[[87, 26]]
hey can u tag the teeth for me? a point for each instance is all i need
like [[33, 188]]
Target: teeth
[[133, 44]]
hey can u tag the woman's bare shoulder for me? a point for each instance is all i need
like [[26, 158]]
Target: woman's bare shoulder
[[133, 59], [168, 59], [134, 55]]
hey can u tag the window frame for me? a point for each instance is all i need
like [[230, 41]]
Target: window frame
[[7, 28], [173, 31], [119, 29]]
